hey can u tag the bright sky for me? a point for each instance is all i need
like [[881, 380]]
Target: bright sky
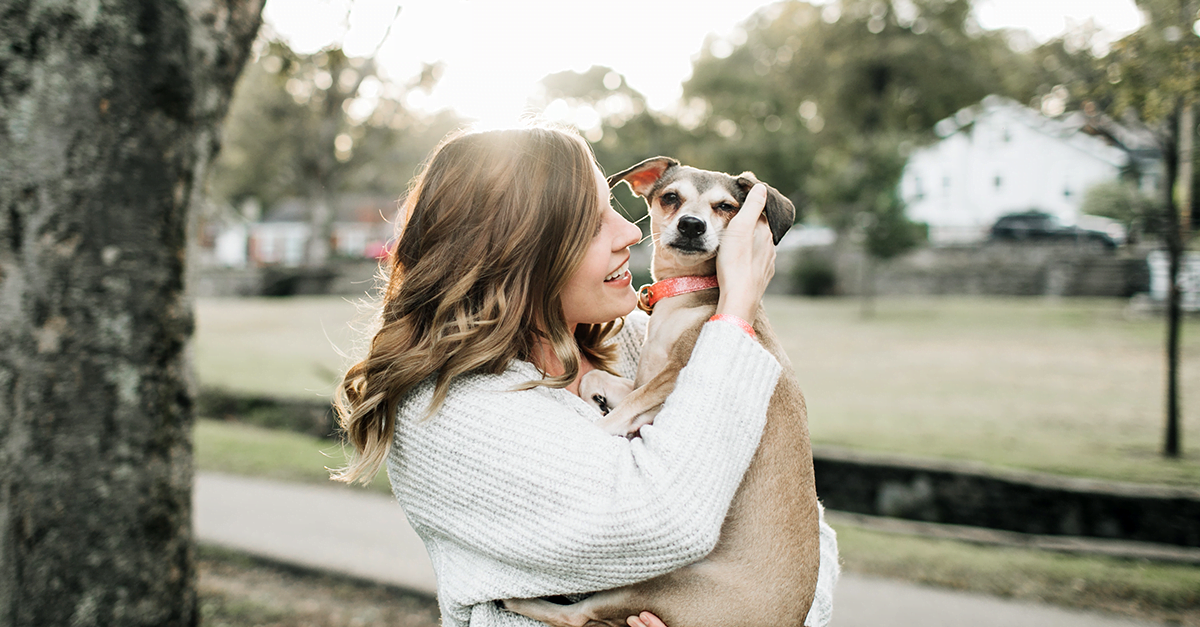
[[495, 52]]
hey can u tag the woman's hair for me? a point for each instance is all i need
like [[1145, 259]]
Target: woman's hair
[[493, 228]]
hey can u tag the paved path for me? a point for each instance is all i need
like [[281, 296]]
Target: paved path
[[365, 534]]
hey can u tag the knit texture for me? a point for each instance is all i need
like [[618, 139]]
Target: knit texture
[[518, 494]]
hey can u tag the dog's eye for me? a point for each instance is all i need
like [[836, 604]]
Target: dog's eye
[[726, 207], [670, 198]]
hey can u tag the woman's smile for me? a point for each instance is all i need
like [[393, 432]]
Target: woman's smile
[[621, 275]]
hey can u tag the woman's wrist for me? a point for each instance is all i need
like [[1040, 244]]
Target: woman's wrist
[[736, 305], [737, 321]]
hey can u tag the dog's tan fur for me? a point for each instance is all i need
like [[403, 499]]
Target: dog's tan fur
[[763, 571]]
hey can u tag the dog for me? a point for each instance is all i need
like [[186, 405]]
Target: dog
[[763, 570]]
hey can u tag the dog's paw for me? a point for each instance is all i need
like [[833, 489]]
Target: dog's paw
[[604, 390], [619, 422]]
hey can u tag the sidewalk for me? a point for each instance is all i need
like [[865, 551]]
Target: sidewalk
[[366, 535]]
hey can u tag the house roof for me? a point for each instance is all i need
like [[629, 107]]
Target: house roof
[[1074, 128]]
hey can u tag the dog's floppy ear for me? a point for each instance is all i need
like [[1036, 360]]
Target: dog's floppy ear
[[642, 177], [780, 211]]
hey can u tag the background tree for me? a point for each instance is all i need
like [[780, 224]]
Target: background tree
[[1156, 72], [1122, 201], [317, 126], [107, 120]]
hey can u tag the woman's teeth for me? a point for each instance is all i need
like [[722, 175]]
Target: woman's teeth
[[621, 272]]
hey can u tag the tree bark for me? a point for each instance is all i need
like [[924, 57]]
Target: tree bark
[[108, 115]]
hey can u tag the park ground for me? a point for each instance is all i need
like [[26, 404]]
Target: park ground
[[1066, 386]]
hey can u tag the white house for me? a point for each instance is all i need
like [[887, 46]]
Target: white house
[[999, 157]]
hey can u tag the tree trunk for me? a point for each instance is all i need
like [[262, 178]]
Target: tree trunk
[[1187, 136], [108, 114], [1173, 234]]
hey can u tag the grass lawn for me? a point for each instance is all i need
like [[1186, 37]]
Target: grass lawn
[[256, 452], [1136, 588], [1067, 386]]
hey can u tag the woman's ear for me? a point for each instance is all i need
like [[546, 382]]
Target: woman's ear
[[642, 177], [780, 211]]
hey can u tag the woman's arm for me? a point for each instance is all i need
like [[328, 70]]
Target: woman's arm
[[524, 481]]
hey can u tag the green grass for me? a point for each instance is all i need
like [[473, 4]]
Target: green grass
[[256, 452], [1164, 592], [1161, 591], [289, 347], [1066, 386]]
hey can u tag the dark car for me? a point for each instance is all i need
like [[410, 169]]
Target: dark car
[[1039, 226]]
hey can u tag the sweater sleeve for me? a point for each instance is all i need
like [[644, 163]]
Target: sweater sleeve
[[518, 494]]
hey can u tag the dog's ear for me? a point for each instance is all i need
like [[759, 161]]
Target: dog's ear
[[780, 211], [642, 177]]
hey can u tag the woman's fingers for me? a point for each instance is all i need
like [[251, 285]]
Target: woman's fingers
[[752, 208], [746, 260], [645, 619]]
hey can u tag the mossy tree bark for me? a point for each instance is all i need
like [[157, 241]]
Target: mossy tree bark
[[108, 115]]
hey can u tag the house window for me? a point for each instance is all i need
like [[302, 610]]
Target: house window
[[1066, 192], [920, 191], [998, 181]]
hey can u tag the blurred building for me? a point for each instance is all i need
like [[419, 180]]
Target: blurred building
[[362, 227], [1000, 157]]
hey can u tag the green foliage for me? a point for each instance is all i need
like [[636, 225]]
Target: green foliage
[[888, 233], [1122, 201], [1151, 69], [304, 125], [814, 275]]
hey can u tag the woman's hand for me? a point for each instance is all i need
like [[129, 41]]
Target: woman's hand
[[746, 259], [645, 619]]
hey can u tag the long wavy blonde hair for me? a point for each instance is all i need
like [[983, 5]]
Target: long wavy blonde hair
[[494, 226]]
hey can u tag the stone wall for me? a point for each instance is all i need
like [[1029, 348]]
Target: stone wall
[[993, 269], [962, 493]]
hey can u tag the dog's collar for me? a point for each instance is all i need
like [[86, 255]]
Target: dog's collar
[[666, 288]]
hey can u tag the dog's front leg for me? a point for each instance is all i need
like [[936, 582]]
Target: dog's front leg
[[604, 390], [641, 406], [581, 614]]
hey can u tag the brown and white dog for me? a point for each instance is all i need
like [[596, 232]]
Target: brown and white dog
[[763, 571]]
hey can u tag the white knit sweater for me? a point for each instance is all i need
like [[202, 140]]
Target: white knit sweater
[[517, 494]]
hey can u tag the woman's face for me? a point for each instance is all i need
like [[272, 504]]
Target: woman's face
[[600, 290]]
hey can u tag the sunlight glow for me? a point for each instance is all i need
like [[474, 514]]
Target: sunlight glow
[[496, 52]]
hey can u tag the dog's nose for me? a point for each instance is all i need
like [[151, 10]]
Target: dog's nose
[[690, 226]]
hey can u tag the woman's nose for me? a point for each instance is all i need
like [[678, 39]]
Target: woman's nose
[[631, 234]]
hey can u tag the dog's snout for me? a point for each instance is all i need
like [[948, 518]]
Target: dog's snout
[[690, 226]]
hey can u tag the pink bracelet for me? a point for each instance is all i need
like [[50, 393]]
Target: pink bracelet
[[741, 324]]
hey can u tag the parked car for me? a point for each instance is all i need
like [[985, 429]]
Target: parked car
[[1039, 226]]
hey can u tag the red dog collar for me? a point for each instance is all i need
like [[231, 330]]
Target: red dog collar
[[666, 288]]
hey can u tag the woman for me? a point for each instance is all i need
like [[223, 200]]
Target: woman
[[508, 283]]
